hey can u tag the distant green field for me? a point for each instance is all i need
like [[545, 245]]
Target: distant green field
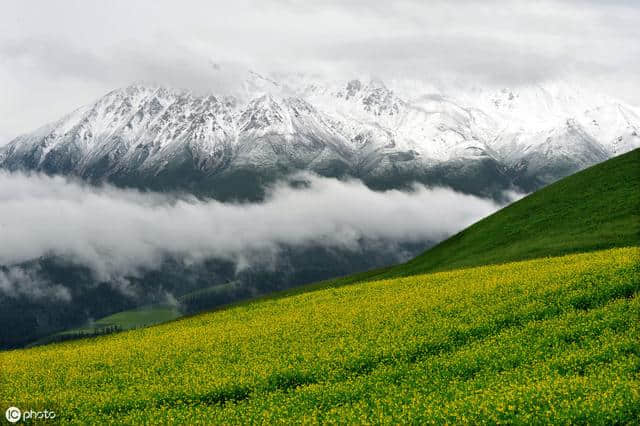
[[125, 320], [141, 316], [546, 331], [134, 318]]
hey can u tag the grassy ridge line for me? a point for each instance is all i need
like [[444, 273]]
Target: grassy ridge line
[[594, 209], [546, 340]]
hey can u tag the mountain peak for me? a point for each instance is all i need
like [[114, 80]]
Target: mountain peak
[[261, 113], [359, 129]]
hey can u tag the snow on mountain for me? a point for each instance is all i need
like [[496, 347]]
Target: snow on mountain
[[360, 128], [614, 124]]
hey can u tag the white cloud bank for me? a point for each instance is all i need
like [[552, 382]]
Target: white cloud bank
[[116, 232], [56, 56]]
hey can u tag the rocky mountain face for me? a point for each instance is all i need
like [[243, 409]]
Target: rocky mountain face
[[231, 147]]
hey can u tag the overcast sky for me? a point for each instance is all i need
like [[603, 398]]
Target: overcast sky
[[56, 56]]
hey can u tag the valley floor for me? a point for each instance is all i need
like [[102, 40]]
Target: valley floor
[[548, 340]]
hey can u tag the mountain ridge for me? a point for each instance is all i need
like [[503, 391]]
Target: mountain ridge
[[162, 138]]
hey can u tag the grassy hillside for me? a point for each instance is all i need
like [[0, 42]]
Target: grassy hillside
[[546, 340], [539, 340], [594, 209]]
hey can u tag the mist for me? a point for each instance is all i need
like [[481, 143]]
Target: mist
[[119, 232], [18, 281]]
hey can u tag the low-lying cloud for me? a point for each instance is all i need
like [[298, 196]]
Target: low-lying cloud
[[117, 232], [18, 281]]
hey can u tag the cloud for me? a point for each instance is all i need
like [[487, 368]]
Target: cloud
[[57, 56], [175, 65], [117, 232], [16, 281]]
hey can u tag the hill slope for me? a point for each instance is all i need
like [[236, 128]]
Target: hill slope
[[541, 341], [594, 209], [546, 340]]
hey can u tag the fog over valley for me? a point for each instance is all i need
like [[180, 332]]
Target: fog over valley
[[117, 232]]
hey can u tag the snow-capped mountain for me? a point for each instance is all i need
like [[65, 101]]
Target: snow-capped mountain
[[479, 141]]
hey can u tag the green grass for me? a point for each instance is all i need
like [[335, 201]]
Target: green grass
[[133, 318], [594, 209], [146, 315], [125, 320]]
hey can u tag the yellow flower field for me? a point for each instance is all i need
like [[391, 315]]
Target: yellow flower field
[[546, 340]]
